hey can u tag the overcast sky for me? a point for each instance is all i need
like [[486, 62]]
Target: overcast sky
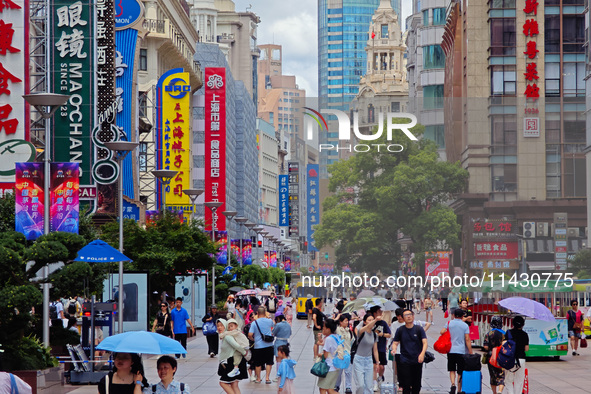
[[293, 24]]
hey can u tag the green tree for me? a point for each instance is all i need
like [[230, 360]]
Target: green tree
[[7, 213], [378, 194], [580, 265]]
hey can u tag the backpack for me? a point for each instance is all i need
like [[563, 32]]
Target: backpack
[[72, 308], [271, 305], [309, 305], [342, 358], [53, 311], [506, 357], [355, 344], [155, 387]]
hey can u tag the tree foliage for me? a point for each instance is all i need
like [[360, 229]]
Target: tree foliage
[[379, 194], [580, 265]]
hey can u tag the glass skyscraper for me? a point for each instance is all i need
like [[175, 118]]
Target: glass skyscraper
[[342, 36]]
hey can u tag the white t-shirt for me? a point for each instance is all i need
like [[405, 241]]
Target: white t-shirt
[[59, 307], [330, 346]]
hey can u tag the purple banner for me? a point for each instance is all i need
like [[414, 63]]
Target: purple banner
[[29, 208], [64, 207], [246, 252]]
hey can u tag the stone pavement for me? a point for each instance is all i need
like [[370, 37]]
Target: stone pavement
[[569, 375]]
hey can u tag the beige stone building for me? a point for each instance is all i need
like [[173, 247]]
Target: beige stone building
[[514, 118]]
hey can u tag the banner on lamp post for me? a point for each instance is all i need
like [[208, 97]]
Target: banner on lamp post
[[64, 209], [29, 199]]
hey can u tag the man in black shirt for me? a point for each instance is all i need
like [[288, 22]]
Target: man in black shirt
[[467, 312], [318, 323], [413, 346]]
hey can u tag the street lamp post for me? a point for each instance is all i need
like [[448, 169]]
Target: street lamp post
[[193, 194], [263, 233], [257, 228], [213, 205], [241, 222], [46, 104], [164, 176], [122, 149], [229, 215]]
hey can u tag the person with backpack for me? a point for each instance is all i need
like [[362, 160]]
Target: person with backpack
[[494, 339], [364, 355], [514, 375], [163, 322], [413, 346], [281, 332], [575, 325], [56, 313], [348, 336], [167, 366], [213, 340], [73, 308], [272, 303], [460, 340], [330, 345]]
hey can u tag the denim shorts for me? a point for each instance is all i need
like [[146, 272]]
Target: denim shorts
[[571, 334]]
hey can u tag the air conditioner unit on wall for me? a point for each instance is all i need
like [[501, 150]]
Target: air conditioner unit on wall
[[541, 229], [572, 232], [529, 229]]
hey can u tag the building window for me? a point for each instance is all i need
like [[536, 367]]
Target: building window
[[573, 33], [432, 97], [502, 36], [271, 114], [143, 103], [573, 75], [552, 33], [502, 4], [384, 33], [552, 72], [553, 189], [438, 16], [143, 157], [395, 107], [143, 66], [426, 18], [433, 57], [503, 80], [436, 133], [503, 135], [504, 178], [370, 114]]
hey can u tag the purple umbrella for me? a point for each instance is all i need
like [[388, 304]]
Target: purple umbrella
[[527, 307]]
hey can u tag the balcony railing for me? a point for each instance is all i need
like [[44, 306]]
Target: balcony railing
[[154, 25]]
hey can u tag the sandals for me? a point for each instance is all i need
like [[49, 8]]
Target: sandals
[[268, 381]]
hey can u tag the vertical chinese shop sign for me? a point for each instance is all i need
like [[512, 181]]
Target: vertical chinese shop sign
[[64, 209], [531, 127], [29, 209], [72, 35], [215, 143], [14, 82], [313, 189], [174, 137]]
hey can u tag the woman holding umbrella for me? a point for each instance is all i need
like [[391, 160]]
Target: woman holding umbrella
[[127, 376]]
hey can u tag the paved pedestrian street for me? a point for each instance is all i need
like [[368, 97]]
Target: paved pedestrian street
[[567, 376]]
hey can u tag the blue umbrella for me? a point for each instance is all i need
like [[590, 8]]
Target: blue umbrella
[[100, 252], [143, 342], [527, 307]]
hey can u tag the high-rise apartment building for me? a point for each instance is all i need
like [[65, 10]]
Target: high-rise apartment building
[[515, 119], [342, 35], [425, 66]]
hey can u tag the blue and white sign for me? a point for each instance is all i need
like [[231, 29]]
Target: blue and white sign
[[131, 211], [283, 200], [313, 192], [127, 13]]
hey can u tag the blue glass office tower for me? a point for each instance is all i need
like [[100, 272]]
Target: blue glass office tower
[[342, 36]]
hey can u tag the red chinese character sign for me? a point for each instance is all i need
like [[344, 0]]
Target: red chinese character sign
[[215, 143], [14, 83], [493, 228], [495, 250], [174, 142], [531, 127]]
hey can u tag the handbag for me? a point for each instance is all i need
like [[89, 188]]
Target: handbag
[[583, 342], [474, 333], [446, 315], [443, 344], [209, 328], [429, 357], [493, 358], [266, 338], [320, 368], [485, 358]]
